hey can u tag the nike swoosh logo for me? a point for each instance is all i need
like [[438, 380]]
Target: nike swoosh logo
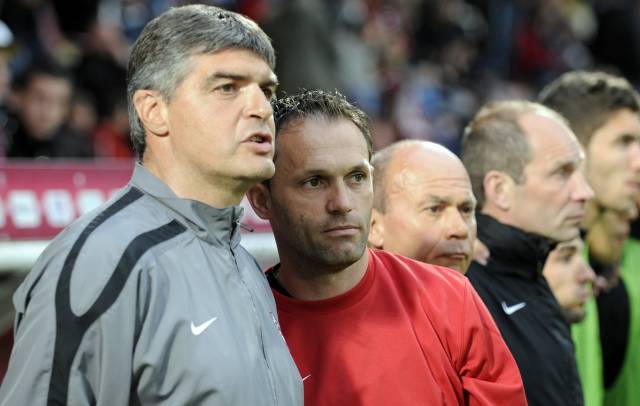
[[199, 329], [306, 377], [509, 310]]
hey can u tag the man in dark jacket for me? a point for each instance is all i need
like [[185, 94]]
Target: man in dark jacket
[[524, 163]]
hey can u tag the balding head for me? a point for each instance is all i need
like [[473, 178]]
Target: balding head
[[423, 204], [400, 155], [525, 165]]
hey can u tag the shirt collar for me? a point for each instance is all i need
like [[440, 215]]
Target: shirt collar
[[217, 226], [513, 250]]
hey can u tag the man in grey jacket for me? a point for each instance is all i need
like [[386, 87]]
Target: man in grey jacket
[[150, 299]]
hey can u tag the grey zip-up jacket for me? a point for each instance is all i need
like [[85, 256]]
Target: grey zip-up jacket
[[149, 300]]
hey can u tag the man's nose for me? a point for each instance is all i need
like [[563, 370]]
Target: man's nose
[[457, 225], [582, 190], [634, 156], [258, 105], [586, 274], [339, 201]]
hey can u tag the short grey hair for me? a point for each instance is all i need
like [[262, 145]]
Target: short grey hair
[[161, 56], [495, 140]]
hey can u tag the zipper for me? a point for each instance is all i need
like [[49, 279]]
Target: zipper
[[257, 319]]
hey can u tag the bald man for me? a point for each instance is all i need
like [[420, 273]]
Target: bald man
[[423, 204]]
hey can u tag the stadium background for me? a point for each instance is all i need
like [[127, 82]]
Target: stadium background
[[420, 68]]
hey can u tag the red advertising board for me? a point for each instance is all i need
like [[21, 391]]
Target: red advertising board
[[39, 198]]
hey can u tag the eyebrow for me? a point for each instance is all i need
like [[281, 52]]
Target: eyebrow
[[570, 163], [629, 134], [236, 77], [323, 172], [439, 200], [568, 250]]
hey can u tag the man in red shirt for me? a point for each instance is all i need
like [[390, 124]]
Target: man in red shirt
[[366, 327]]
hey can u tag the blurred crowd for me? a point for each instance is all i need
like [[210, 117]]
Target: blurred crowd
[[420, 68]]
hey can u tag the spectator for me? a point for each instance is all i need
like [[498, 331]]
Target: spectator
[[6, 42], [111, 137], [44, 94]]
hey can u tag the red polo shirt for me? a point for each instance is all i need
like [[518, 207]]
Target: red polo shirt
[[408, 334]]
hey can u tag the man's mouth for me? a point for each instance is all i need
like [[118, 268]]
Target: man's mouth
[[258, 138], [342, 231], [576, 217], [260, 143], [460, 256], [634, 186]]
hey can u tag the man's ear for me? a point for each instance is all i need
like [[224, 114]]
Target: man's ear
[[259, 197], [151, 109], [497, 190], [376, 232]]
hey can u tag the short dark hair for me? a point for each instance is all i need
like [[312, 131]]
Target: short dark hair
[[318, 103], [588, 100], [43, 67], [495, 140], [160, 58]]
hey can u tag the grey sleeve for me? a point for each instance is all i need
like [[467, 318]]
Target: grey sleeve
[[27, 379], [91, 363]]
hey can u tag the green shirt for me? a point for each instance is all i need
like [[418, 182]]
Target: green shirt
[[586, 336], [626, 388]]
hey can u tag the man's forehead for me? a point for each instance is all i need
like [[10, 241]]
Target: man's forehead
[[325, 160], [620, 122], [235, 61], [418, 167], [551, 140], [41, 80], [418, 186], [413, 176], [321, 145]]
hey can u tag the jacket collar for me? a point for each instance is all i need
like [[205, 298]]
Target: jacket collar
[[512, 250], [217, 226]]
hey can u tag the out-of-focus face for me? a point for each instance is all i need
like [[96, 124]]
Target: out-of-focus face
[[551, 200], [321, 195], [607, 236], [5, 74], [613, 162], [430, 209], [570, 278], [220, 119], [44, 105]]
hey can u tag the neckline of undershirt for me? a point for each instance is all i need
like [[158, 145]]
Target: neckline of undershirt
[[341, 302]]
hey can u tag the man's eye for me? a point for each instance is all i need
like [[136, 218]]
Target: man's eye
[[628, 139], [434, 209], [565, 172], [467, 209], [269, 93], [565, 259], [311, 183], [226, 88], [359, 177]]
